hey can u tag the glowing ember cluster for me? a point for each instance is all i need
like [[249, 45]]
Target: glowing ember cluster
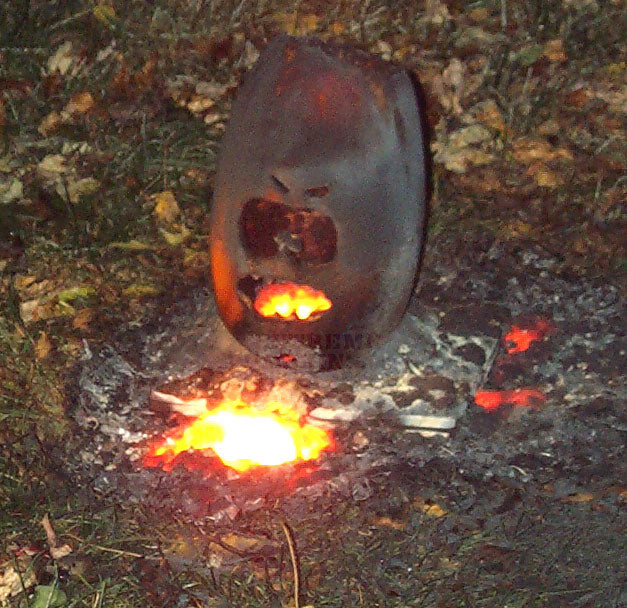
[[288, 300], [243, 436], [518, 339], [492, 400]]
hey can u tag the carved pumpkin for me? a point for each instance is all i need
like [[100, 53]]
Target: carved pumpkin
[[319, 186]]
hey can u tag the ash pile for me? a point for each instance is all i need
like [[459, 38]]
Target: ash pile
[[410, 402]]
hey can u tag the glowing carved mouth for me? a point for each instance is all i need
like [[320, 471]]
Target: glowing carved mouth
[[291, 301]]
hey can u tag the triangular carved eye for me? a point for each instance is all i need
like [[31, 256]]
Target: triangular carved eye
[[279, 185], [318, 192]]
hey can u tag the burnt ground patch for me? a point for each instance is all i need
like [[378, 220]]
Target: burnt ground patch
[[109, 128]]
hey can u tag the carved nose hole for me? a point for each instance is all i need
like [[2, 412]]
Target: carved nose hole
[[318, 192], [279, 185], [248, 287]]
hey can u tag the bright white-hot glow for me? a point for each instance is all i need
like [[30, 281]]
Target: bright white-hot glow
[[243, 437]]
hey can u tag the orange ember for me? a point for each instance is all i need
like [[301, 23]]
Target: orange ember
[[243, 437], [519, 339], [491, 400], [288, 300]]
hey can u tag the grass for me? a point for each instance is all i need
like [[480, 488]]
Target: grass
[[138, 143]]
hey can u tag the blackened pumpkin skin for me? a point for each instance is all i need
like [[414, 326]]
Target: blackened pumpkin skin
[[337, 134]]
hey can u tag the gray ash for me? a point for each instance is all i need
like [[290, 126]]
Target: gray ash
[[448, 345]]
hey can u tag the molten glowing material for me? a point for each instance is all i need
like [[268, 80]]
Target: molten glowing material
[[491, 400], [243, 437], [519, 339], [289, 299]]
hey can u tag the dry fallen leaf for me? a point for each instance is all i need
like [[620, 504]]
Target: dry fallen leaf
[[473, 36], [196, 264], [213, 118], [529, 149], [196, 259], [488, 113], [404, 51], [50, 534], [456, 153], [296, 24], [198, 103], [80, 292], [77, 189], [82, 318], [616, 99], [384, 49], [478, 14], [428, 508], [141, 290], [16, 574], [29, 287], [434, 510], [75, 147], [62, 177], [582, 4], [63, 61], [56, 551], [450, 85], [249, 56], [104, 13], [43, 346], [436, 12], [518, 229], [11, 190], [50, 123], [544, 176], [166, 208], [30, 311], [197, 97], [174, 239], [6, 165], [387, 522], [80, 103], [554, 50], [449, 565], [579, 497], [337, 28], [472, 134], [182, 551], [549, 127], [307, 23], [221, 556], [132, 245], [52, 166], [579, 96], [458, 159]]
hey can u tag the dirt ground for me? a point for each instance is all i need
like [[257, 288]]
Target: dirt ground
[[111, 116]]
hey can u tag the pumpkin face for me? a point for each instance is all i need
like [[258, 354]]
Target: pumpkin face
[[316, 222]]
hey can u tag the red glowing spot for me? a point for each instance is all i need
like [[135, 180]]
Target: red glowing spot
[[491, 400], [519, 339], [243, 436], [333, 98], [290, 301]]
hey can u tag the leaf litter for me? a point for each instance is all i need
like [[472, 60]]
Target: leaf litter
[[105, 118]]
